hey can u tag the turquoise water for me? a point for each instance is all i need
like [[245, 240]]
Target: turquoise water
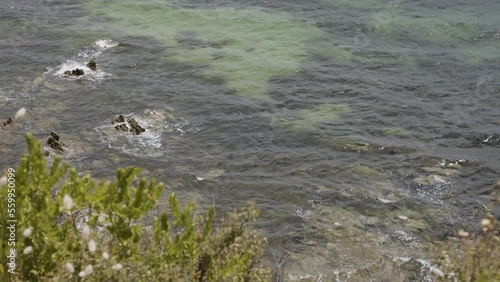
[[359, 127]]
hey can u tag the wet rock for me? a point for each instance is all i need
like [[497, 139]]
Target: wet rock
[[92, 65], [128, 125], [75, 72], [394, 150], [390, 269], [55, 135], [55, 143], [429, 180], [442, 171], [487, 140], [135, 127], [122, 125], [372, 221], [479, 140], [361, 147], [416, 225], [4, 124]]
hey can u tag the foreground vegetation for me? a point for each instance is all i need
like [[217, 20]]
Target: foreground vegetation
[[475, 257], [70, 228]]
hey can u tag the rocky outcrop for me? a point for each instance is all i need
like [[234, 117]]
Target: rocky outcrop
[[486, 140], [135, 127], [6, 123], [54, 142], [75, 72], [129, 125], [92, 65], [121, 123], [473, 140]]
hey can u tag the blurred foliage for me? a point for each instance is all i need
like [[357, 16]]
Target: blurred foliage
[[70, 228]]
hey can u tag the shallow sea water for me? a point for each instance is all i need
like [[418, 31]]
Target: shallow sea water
[[359, 127]]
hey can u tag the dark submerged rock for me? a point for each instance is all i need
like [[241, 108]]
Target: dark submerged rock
[[92, 65]]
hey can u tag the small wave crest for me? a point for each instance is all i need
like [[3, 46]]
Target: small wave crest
[[103, 44]]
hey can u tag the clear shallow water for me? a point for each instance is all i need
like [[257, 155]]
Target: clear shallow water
[[334, 116]]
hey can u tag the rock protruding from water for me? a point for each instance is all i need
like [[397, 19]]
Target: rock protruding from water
[[135, 127], [129, 125], [75, 72], [487, 139], [92, 65], [122, 125], [474, 140], [54, 142], [369, 148], [6, 123]]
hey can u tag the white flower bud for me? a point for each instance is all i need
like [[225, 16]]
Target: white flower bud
[[20, 113], [486, 222], [28, 250], [86, 232], [67, 202], [88, 270], [92, 246], [105, 255], [117, 267], [27, 232], [69, 267], [3, 181]]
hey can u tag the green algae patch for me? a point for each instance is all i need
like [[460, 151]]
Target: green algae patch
[[485, 52], [357, 4], [446, 26], [310, 120], [245, 47], [364, 170], [450, 26], [332, 52], [395, 22], [398, 132]]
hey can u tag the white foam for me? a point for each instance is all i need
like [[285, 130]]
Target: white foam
[[147, 143], [70, 65], [80, 62], [103, 44], [385, 201], [303, 213], [159, 127]]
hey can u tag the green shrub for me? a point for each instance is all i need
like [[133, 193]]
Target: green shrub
[[70, 228], [474, 257]]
